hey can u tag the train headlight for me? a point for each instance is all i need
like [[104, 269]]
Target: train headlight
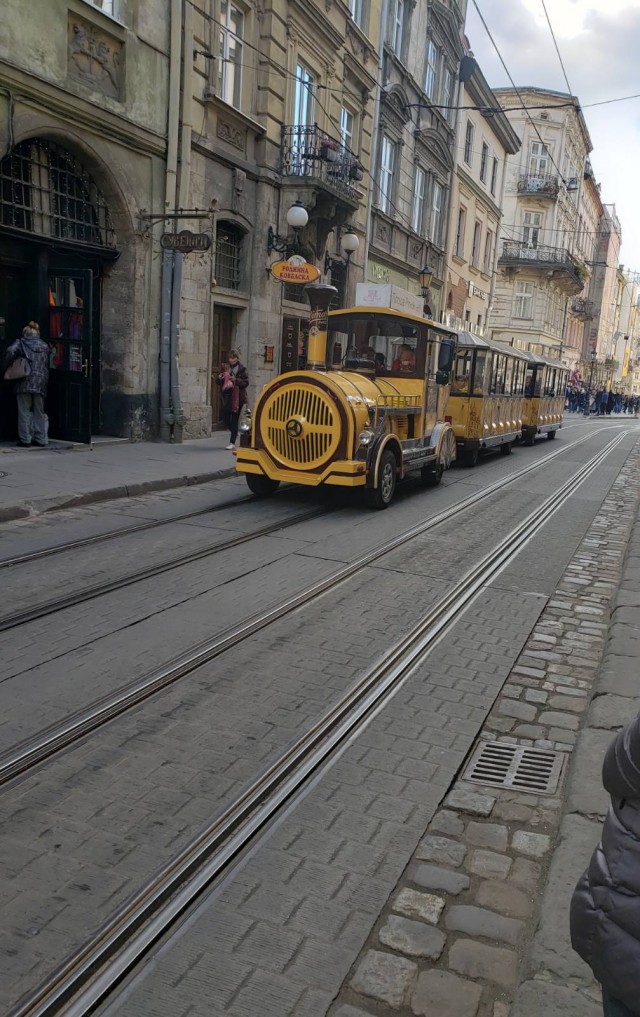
[[365, 437], [245, 425]]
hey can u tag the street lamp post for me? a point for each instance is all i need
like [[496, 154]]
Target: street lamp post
[[425, 277], [588, 399]]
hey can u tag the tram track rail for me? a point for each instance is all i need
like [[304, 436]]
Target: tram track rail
[[22, 758], [86, 593], [98, 538], [100, 967]]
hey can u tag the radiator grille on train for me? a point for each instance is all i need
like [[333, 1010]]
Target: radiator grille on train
[[300, 426]]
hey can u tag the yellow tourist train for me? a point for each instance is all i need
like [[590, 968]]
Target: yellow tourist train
[[500, 395], [545, 395], [368, 410]]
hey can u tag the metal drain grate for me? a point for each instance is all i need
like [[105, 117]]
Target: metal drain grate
[[498, 764]]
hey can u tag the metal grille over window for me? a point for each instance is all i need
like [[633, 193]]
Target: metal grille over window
[[228, 254], [498, 764], [45, 190]]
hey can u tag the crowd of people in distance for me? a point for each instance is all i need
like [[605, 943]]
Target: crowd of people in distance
[[602, 402]]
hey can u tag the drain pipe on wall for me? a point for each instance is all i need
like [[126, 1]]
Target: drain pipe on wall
[[173, 134], [375, 136]]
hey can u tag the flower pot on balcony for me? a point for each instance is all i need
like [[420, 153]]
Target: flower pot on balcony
[[329, 153], [356, 172]]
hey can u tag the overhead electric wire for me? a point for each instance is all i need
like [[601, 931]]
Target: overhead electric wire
[[555, 43]]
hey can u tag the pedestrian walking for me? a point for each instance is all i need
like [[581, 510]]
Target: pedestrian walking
[[31, 391], [233, 380], [605, 909]]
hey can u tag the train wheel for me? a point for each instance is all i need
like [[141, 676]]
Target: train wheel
[[262, 487], [551, 435], [505, 450], [470, 458], [432, 475], [380, 496], [529, 438]]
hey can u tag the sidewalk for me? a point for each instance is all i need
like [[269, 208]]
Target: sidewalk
[[41, 480]]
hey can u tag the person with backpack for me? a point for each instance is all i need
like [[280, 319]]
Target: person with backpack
[[27, 363]]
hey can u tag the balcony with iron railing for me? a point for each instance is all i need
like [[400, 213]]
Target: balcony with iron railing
[[555, 262], [538, 186], [583, 309], [317, 158]]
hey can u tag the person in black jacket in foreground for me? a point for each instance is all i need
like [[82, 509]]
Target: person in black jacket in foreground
[[605, 909]]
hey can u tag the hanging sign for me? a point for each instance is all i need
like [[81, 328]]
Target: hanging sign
[[294, 270], [185, 241]]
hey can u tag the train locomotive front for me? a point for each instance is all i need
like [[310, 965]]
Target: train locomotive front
[[368, 410]]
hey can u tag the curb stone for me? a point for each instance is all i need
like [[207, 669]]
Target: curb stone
[[38, 506], [491, 912]]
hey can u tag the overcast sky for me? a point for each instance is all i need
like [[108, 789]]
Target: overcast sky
[[599, 41]]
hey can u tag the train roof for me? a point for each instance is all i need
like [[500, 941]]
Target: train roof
[[390, 312], [470, 339], [537, 358]]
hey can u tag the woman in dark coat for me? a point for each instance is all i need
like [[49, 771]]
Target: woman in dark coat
[[233, 380], [31, 391], [605, 910]]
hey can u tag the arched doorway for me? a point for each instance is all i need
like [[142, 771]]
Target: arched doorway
[[56, 236]]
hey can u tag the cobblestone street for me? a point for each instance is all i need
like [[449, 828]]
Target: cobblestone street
[[391, 883]]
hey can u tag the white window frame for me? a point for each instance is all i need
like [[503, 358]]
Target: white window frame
[[488, 251], [531, 229], [356, 10], [347, 130], [435, 227], [447, 89], [431, 71], [476, 244], [484, 162], [461, 229], [385, 177], [419, 187], [109, 7], [230, 85], [523, 300], [397, 26], [539, 159], [469, 133], [494, 175], [304, 100]]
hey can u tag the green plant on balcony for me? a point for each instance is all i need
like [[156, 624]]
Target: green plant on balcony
[[582, 272]]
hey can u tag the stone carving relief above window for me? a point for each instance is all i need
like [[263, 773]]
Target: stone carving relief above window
[[95, 58], [232, 135]]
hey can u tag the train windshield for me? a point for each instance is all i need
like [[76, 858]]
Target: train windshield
[[384, 345]]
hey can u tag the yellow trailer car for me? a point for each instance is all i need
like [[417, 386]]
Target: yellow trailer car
[[486, 397], [545, 396]]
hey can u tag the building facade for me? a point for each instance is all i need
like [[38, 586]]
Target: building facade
[[482, 147], [282, 102], [604, 289], [543, 257], [83, 125], [421, 54]]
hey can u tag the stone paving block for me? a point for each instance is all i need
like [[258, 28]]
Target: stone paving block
[[505, 898], [585, 793], [447, 822], [477, 960], [475, 921], [489, 864], [441, 994], [562, 720], [267, 994], [426, 906], [610, 712], [384, 977], [488, 835], [472, 802], [351, 1011], [535, 998], [567, 704], [512, 811], [517, 709], [414, 938], [432, 877], [535, 845], [441, 849]]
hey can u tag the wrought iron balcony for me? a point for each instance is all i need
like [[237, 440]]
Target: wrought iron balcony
[[311, 153], [540, 186], [554, 261], [583, 309]]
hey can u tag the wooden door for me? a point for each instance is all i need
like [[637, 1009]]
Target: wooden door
[[222, 342]]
